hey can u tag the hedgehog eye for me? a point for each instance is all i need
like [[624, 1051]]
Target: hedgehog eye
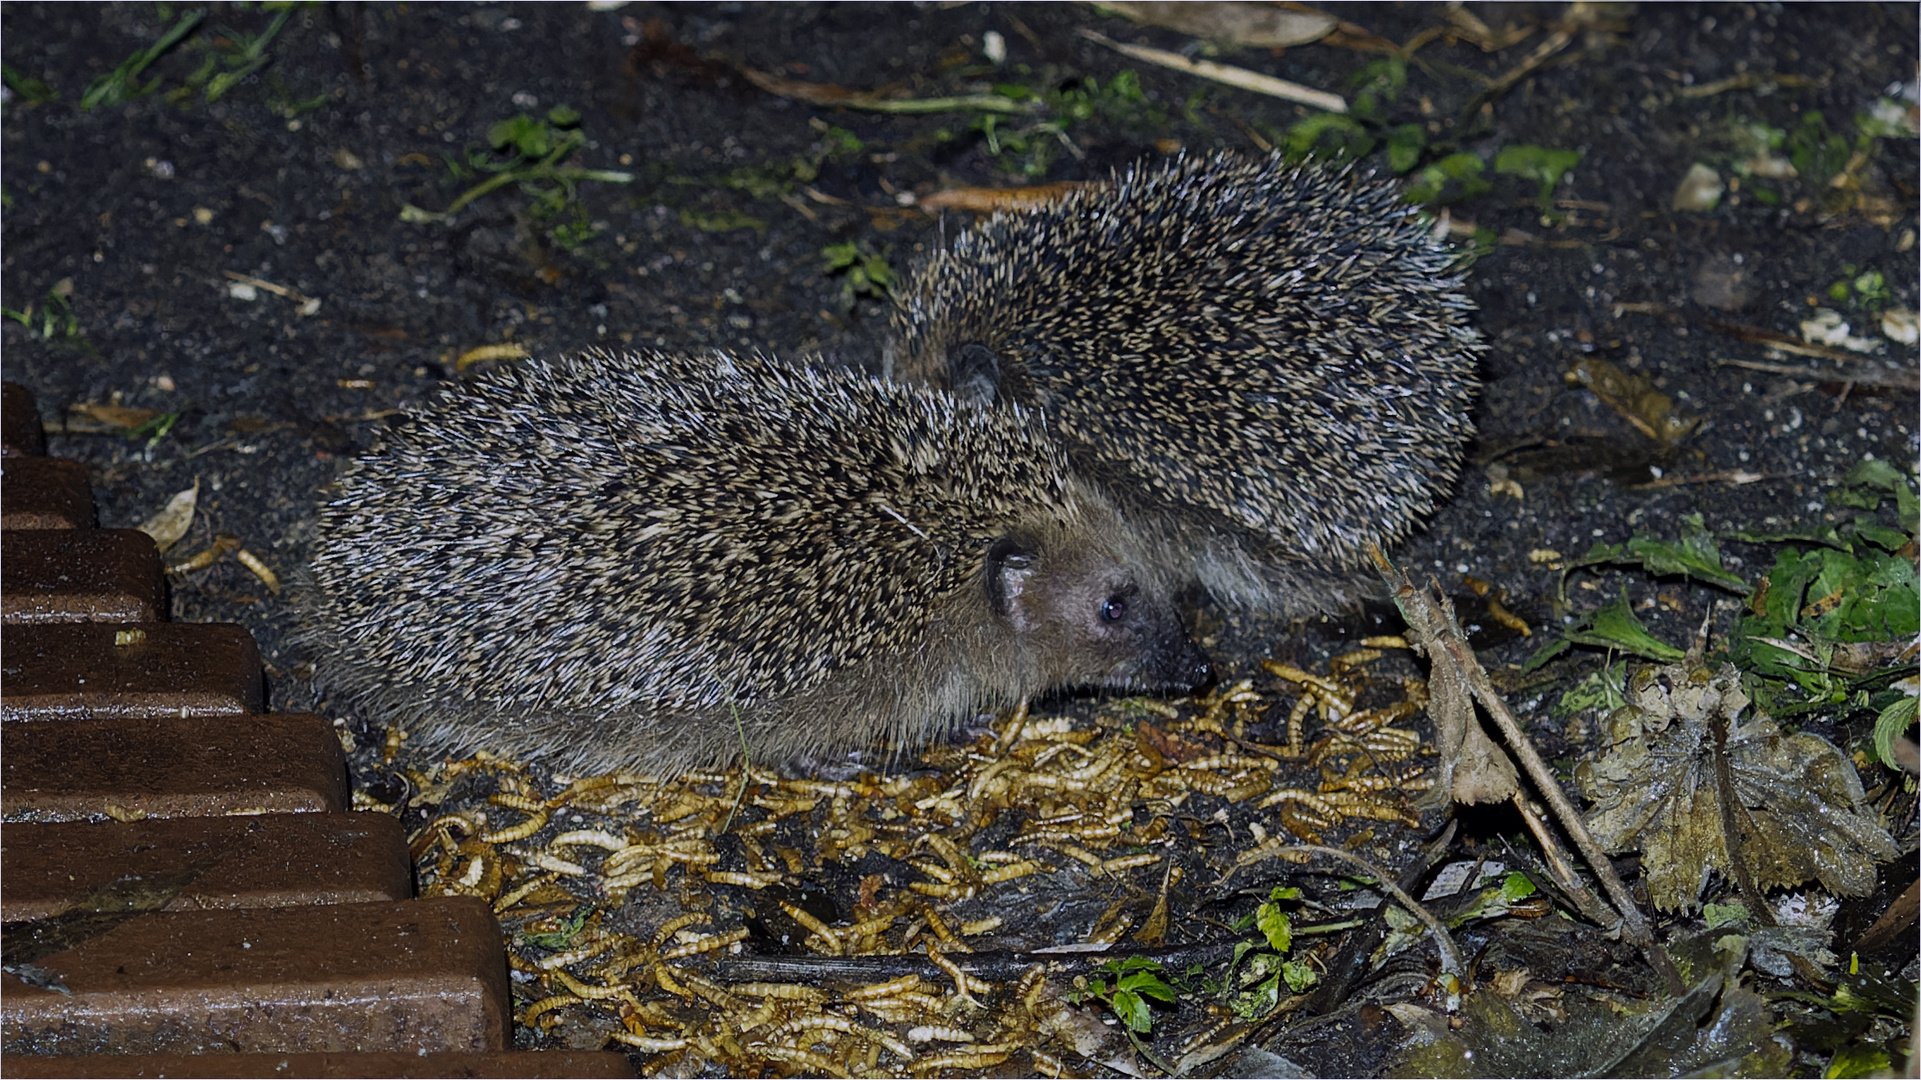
[[1113, 609]]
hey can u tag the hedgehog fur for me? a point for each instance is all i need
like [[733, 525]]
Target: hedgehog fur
[[655, 560], [1266, 367]]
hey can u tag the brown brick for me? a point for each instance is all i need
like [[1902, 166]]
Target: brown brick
[[90, 770], [54, 671], [45, 493], [408, 976], [260, 860], [80, 575], [538, 1064], [20, 431]]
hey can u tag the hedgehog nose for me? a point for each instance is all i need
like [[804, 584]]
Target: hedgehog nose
[[1195, 671]]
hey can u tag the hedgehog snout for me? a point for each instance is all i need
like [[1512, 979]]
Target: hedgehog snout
[[1150, 646], [1176, 662]]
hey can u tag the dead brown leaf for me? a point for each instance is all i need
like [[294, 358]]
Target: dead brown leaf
[[1650, 411]]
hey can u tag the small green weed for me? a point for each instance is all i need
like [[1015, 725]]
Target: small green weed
[[56, 320], [1255, 988], [1865, 289], [1821, 631], [561, 938], [123, 82], [1125, 987], [865, 272], [26, 87], [155, 430], [1814, 623], [528, 151], [1027, 145], [232, 56], [1543, 164]]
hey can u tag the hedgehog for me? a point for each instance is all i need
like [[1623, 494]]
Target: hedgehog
[[1265, 367], [657, 561]]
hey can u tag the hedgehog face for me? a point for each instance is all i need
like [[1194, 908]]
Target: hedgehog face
[[1081, 618]]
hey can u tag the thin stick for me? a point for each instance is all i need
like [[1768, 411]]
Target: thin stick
[[1433, 621], [1237, 77], [1589, 905], [1450, 954]]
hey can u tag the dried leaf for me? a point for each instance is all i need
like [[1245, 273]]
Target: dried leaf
[[1639, 403], [119, 416], [1473, 769], [1801, 801], [174, 519]]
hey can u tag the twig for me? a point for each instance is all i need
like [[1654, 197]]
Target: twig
[[1237, 77], [1432, 623], [1729, 476], [1588, 904], [1897, 379], [841, 97], [1451, 963]]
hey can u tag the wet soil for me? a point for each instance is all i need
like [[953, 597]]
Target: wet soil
[[142, 213]]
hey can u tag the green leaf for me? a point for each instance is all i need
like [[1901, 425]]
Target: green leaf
[[1881, 536], [1826, 535], [1299, 975], [1615, 626], [1695, 555], [1891, 723], [1133, 1011], [121, 83], [526, 135], [1541, 163], [1858, 1059], [1276, 927], [1451, 179], [1240, 950], [1328, 135], [563, 116], [1604, 690], [1404, 146], [1146, 984], [1546, 653], [26, 86], [1516, 887]]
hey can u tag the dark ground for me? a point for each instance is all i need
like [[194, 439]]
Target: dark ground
[[297, 176]]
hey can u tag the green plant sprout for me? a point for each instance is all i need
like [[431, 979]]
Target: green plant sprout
[[866, 273], [26, 87], [1125, 986], [534, 150], [155, 430], [123, 83], [1542, 164], [1256, 989], [241, 54], [57, 318]]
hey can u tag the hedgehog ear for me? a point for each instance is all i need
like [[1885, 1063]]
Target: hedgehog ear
[[974, 373], [1010, 566]]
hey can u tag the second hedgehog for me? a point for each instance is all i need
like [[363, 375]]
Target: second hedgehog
[[656, 561], [1266, 367]]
